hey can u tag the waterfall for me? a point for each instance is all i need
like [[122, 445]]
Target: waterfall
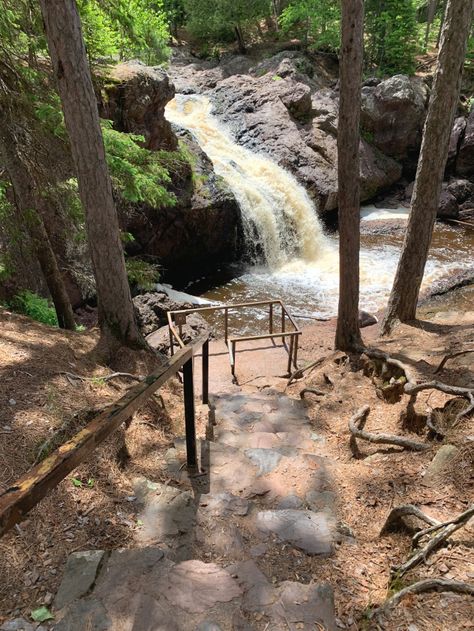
[[279, 219]]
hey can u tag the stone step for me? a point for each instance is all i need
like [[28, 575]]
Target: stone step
[[142, 590]]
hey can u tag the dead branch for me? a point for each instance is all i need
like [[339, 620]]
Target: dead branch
[[420, 587], [356, 427], [395, 519], [452, 356], [318, 393], [446, 531], [414, 388]]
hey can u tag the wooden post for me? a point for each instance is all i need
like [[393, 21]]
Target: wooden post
[[205, 372], [189, 414], [171, 341], [271, 318], [234, 356], [226, 324], [295, 359]]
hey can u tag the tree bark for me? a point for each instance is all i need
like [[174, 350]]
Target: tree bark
[[348, 333], [431, 165], [28, 202], [68, 55]]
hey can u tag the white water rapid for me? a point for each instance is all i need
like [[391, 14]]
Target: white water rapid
[[281, 227]]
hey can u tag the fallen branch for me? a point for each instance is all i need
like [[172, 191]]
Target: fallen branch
[[395, 518], [356, 427], [298, 374], [426, 585], [318, 393], [446, 531], [414, 388], [452, 356]]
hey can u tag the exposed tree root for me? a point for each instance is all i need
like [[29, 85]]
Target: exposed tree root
[[446, 530], [414, 388], [452, 356], [298, 374], [71, 377], [374, 353], [426, 585], [395, 522], [318, 393], [356, 427]]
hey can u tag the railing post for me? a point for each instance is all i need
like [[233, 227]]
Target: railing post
[[171, 341], [283, 322], [189, 414], [205, 372], [295, 358], [290, 354], [226, 324], [271, 317]]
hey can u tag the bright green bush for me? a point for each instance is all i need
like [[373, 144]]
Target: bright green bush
[[35, 307]]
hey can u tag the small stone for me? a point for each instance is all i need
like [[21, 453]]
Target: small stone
[[12, 402], [48, 598], [79, 576], [443, 568], [443, 457]]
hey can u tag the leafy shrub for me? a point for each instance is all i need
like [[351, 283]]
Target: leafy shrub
[[35, 307], [142, 274]]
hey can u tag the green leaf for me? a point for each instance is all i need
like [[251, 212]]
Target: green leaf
[[90, 483], [41, 614], [76, 482]]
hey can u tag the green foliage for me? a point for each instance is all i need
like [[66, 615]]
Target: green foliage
[[41, 614], [136, 172], [142, 274], [392, 35], [317, 22], [35, 307], [216, 20]]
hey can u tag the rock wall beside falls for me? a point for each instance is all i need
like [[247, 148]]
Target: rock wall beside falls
[[203, 228]]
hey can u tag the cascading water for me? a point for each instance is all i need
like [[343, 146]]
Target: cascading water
[[278, 217], [300, 263]]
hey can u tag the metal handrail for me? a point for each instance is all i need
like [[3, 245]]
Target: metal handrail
[[30, 488], [176, 334]]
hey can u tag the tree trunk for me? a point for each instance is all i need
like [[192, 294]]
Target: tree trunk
[[431, 165], [348, 138], [68, 55], [27, 202], [441, 24], [240, 40], [430, 13]]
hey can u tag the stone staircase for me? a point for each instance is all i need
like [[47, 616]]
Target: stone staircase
[[204, 555]]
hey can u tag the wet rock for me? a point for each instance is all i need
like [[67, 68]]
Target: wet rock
[[366, 319], [462, 190], [79, 576], [465, 159], [448, 207], [393, 114], [309, 531], [136, 96]]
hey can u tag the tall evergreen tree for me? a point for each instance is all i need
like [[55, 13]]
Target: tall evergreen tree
[[348, 139], [71, 70], [431, 165]]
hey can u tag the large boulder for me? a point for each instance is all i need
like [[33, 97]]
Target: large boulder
[[393, 113], [135, 99], [279, 117], [463, 190], [448, 207], [465, 159], [457, 134]]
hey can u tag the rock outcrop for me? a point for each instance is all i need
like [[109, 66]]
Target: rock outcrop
[[279, 117], [465, 159], [135, 99], [393, 113]]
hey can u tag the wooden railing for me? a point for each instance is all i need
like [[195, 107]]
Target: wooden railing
[[176, 320], [28, 490]]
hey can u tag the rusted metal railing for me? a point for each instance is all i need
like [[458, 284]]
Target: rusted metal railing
[[28, 490], [177, 319]]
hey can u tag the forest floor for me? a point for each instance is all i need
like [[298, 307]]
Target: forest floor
[[94, 507]]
